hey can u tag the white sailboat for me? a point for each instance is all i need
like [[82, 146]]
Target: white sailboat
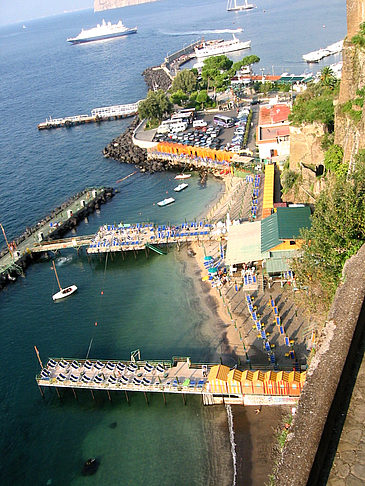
[[62, 292], [232, 6]]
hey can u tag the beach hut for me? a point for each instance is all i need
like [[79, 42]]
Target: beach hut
[[217, 379], [294, 383], [282, 383], [247, 382], [258, 383], [234, 382], [270, 383]]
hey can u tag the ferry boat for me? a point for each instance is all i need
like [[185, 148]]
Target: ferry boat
[[220, 46], [166, 201], [233, 7], [181, 187], [103, 31]]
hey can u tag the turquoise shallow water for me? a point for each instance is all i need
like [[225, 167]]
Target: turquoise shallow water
[[148, 304]]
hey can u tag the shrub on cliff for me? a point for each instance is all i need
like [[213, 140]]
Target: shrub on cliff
[[337, 233], [359, 38], [333, 161], [155, 107]]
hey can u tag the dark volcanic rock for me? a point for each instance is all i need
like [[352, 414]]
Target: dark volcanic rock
[[156, 78]]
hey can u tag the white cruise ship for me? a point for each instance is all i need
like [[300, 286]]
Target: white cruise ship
[[233, 6], [103, 31], [220, 46]]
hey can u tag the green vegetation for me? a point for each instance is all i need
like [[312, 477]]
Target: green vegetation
[[359, 38], [288, 179], [353, 108], [268, 87], [333, 161], [185, 81], [248, 127], [218, 70], [316, 103], [155, 107], [337, 233]]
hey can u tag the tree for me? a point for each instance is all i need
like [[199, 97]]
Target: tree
[[202, 97], [185, 81], [246, 61], [215, 70], [179, 97], [327, 77], [155, 107]]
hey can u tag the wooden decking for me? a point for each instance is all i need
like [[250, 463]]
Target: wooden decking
[[141, 376]]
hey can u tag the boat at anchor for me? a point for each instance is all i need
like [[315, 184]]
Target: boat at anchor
[[106, 30], [62, 292], [220, 46], [181, 187], [165, 202]]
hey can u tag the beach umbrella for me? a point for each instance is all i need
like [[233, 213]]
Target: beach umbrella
[[213, 271]]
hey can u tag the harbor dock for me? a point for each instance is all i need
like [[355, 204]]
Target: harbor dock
[[215, 383], [19, 253], [97, 115]]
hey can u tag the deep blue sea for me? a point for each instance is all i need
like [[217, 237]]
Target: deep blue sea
[[149, 304]]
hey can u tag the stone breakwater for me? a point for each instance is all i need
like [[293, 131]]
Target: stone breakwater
[[157, 78]]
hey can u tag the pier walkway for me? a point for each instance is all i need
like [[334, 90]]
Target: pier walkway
[[97, 114], [57, 222], [140, 236], [216, 383]]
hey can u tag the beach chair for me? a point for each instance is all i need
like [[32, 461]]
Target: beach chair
[[112, 380], [201, 383], [98, 379], [286, 341], [258, 325], [136, 381], [192, 384], [110, 366], [61, 377], [51, 364], [75, 365], [74, 378], [281, 328], [123, 380]]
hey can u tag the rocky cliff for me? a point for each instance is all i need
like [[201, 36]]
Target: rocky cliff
[[100, 5], [349, 125]]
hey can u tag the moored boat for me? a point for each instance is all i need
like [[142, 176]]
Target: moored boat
[[62, 292], [220, 46], [182, 176], [165, 202], [181, 187]]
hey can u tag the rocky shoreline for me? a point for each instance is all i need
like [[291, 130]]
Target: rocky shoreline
[[157, 78]]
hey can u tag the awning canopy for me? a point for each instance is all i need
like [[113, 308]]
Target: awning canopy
[[244, 243]]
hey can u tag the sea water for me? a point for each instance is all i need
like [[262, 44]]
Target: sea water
[[121, 305]]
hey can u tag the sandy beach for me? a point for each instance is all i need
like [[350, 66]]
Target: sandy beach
[[255, 433]]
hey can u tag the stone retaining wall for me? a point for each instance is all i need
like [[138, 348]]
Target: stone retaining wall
[[296, 461]]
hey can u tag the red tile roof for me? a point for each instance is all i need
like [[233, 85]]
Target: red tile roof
[[274, 114]]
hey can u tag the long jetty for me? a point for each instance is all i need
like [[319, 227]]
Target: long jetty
[[215, 383], [97, 115], [19, 253], [132, 237]]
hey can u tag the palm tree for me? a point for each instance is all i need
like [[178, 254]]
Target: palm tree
[[327, 77]]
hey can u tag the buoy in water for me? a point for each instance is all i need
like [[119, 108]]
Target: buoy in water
[[90, 466]]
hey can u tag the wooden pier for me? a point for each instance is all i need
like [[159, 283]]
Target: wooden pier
[[97, 115], [19, 252], [215, 383]]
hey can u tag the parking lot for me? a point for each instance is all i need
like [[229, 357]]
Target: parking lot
[[211, 135]]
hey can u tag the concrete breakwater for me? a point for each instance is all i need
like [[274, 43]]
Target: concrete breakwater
[[17, 255]]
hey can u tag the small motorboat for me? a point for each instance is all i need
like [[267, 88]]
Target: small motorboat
[[62, 292], [166, 201], [181, 187], [182, 176]]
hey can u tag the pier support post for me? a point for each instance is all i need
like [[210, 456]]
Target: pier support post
[[58, 393], [40, 389], [92, 394], [127, 397], [184, 399], [146, 397], [164, 398], [135, 256], [74, 392], [110, 398]]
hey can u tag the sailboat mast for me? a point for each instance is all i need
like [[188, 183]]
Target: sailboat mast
[[55, 271]]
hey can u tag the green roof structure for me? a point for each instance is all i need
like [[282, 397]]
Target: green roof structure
[[284, 224]]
